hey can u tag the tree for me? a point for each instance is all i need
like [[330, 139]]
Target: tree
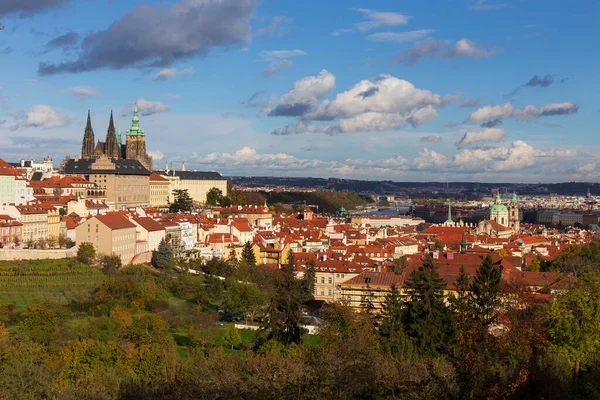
[[42, 244], [232, 337], [17, 241], [399, 264], [30, 243], [51, 242], [536, 264], [163, 257], [393, 337], [214, 196], [41, 322], [245, 298], [460, 300], [285, 312], [232, 258], [485, 290], [86, 253], [248, 254], [426, 318], [182, 201], [574, 323], [62, 211], [111, 264], [308, 281]]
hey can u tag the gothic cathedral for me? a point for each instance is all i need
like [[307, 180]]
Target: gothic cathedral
[[133, 149]]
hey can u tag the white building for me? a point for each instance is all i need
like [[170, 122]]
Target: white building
[[14, 188], [150, 231]]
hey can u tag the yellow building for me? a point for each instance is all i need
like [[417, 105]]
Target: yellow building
[[53, 223], [160, 190], [266, 253], [369, 289], [197, 183], [35, 223], [111, 234], [126, 182]]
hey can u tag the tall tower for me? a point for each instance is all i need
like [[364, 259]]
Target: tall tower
[[513, 217], [136, 142], [88, 145], [111, 148]]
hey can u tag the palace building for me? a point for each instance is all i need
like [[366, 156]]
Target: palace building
[[134, 147]]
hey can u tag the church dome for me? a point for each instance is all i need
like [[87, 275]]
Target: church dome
[[498, 208]]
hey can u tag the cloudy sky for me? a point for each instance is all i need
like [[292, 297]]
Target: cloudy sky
[[475, 90]]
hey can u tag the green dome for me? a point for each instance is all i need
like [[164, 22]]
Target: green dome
[[342, 210], [498, 208]]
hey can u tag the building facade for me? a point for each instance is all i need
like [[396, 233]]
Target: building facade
[[125, 182], [111, 234], [197, 183], [160, 190]]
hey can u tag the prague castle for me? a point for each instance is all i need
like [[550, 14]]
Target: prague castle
[[134, 148]]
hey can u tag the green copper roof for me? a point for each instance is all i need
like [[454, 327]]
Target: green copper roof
[[136, 129], [498, 207], [449, 220], [514, 200], [342, 209]]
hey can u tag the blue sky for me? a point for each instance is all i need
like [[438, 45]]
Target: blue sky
[[482, 90]]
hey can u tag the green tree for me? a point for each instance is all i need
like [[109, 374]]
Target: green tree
[[245, 298], [485, 290], [163, 257], [232, 337], [460, 300], [182, 201], [86, 254], [214, 196], [111, 264], [41, 322], [399, 264], [248, 255], [285, 312], [393, 337], [536, 264], [232, 258], [308, 281], [574, 323], [426, 318]]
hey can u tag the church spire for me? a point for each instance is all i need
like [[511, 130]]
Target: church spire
[[449, 220], [111, 148], [87, 147]]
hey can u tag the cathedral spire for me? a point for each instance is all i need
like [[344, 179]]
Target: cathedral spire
[[111, 148], [87, 147], [88, 126], [111, 124]]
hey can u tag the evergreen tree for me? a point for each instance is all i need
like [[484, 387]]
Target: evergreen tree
[[182, 202], [285, 312], [485, 290], [248, 255], [86, 253], [232, 258], [163, 256], [426, 318], [308, 281], [393, 337], [460, 301]]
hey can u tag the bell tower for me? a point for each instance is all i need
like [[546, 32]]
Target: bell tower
[[513, 217]]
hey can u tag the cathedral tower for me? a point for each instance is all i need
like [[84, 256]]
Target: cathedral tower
[[136, 142], [513, 217], [88, 145], [111, 147]]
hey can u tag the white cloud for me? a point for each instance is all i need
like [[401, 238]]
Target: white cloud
[[83, 92], [468, 48], [277, 54], [586, 168], [400, 37], [482, 136], [276, 65], [156, 155], [170, 73], [147, 107], [383, 103], [431, 138], [507, 110], [44, 116], [377, 19], [430, 47], [430, 160], [339, 32]]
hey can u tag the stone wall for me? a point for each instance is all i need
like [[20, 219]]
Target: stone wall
[[30, 254]]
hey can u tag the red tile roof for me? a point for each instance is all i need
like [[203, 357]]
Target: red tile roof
[[115, 221], [149, 224]]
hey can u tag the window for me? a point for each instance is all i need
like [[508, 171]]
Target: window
[[322, 280], [329, 280], [337, 275], [329, 292], [322, 292]]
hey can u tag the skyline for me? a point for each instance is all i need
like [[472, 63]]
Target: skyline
[[481, 90]]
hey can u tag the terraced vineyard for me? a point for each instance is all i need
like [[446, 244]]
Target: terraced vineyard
[[23, 282]]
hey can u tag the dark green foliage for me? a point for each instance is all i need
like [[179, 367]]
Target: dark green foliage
[[86, 254], [427, 320], [111, 264], [163, 256], [308, 281], [328, 201], [248, 255], [460, 300], [285, 310], [485, 290], [214, 196], [41, 322], [182, 201], [393, 337]]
